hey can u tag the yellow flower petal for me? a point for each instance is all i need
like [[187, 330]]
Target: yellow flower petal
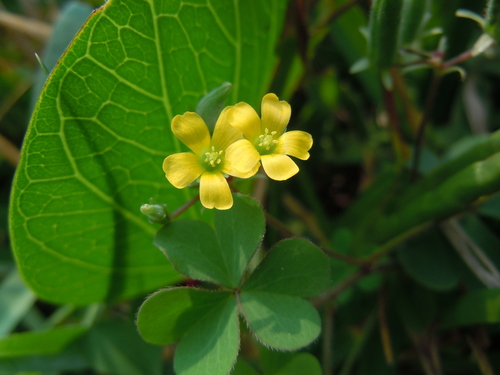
[[242, 155], [246, 120], [295, 143], [224, 134], [275, 114], [192, 131], [228, 169], [182, 169], [279, 167], [215, 192]]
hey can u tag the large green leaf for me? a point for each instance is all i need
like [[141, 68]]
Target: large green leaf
[[101, 130]]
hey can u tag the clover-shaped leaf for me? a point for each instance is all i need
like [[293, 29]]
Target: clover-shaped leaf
[[206, 322], [198, 252]]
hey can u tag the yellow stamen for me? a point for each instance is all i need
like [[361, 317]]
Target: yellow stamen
[[267, 139], [213, 157]]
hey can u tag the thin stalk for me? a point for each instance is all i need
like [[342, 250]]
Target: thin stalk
[[334, 13], [346, 258], [185, 206], [285, 232], [306, 216], [327, 350], [429, 104], [384, 326], [398, 141], [480, 355], [385, 248], [347, 283], [9, 151], [457, 59]]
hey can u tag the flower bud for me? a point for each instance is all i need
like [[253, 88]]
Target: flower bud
[[156, 213]]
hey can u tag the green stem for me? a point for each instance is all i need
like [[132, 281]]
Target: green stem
[[326, 357], [429, 104], [185, 206], [347, 283]]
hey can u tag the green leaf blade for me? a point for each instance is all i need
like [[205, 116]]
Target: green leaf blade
[[168, 314], [240, 231], [384, 35], [279, 321], [486, 309], [194, 251], [211, 346], [294, 267], [39, 343], [431, 261], [101, 129], [114, 347]]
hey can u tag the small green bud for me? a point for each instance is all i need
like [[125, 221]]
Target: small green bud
[[156, 213], [212, 104]]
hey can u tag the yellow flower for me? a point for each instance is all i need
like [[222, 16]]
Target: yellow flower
[[266, 140], [207, 161]]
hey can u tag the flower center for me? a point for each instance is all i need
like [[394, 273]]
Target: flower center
[[267, 141], [213, 158]]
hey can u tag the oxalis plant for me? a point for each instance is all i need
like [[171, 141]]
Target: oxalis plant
[[268, 296]]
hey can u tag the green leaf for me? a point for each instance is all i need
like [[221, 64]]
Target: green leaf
[[303, 363], [168, 314], [447, 190], [430, 260], [279, 321], [39, 343], [211, 105], [294, 267], [211, 346], [115, 347], [220, 256], [101, 129], [282, 363], [412, 17], [55, 350], [481, 306], [193, 249], [240, 231], [385, 17], [491, 207], [73, 16], [15, 301], [415, 304], [465, 13], [351, 44], [243, 368], [492, 18]]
